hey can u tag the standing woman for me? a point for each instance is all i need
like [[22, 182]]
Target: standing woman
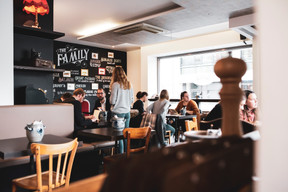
[[121, 97]]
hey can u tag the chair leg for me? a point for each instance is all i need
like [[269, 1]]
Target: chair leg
[[13, 187]]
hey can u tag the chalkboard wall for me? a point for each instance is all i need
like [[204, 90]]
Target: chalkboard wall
[[85, 67]]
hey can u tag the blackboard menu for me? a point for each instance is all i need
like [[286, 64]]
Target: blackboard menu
[[85, 67]]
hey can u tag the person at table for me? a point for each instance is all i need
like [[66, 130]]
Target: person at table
[[216, 112], [62, 99], [142, 97], [80, 121], [121, 97], [248, 114], [190, 105], [161, 107], [102, 103]]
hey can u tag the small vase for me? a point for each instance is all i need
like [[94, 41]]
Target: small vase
[[35, 131]]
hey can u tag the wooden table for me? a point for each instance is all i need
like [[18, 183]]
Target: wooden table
[[178, 120], [106, 133], [19, 147]]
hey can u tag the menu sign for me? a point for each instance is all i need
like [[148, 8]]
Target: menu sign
[[87, 67]]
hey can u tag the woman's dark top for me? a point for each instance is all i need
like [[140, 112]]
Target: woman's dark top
[[215, 113], [136, 121]]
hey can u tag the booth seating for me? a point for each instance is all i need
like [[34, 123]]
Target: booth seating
[[59, 121]]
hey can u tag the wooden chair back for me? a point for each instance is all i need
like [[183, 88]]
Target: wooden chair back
[[57, 150], [137, 133], [213, 124], [85, 107], [48, 180], [191, 124]]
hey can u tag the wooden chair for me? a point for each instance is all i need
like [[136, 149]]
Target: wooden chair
[[168, 135], [85, 107], [213, 124], [48, 180], [129, 134], [137, 133], [149, 120], [191, 124]]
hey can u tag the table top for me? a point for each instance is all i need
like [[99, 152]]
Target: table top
[[107, 133], [17, 147], [181, 116]]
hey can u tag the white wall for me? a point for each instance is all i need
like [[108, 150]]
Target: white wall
[[6, 53], [273, 41], [134, 69]]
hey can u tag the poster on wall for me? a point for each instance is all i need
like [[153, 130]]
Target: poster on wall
[[85, 67]]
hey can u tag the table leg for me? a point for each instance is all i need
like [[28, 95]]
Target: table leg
[[116, 148], [177, 130], [32, 164]]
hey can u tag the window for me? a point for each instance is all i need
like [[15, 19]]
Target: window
[[194, 73]]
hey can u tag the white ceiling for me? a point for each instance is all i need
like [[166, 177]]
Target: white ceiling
[[92, 22]]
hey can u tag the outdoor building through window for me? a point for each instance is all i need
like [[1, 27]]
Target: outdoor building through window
[[194, 73]]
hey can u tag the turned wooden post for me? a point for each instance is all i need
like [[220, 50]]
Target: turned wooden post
[[230, 70]]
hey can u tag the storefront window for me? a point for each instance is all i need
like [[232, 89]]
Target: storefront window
[[194, 73]]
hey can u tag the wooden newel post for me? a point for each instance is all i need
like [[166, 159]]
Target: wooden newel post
[[230, 70]]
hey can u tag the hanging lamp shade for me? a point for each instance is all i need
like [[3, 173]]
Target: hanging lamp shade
[[36, 7]]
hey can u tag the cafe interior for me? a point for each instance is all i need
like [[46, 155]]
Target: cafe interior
[[49, 47]]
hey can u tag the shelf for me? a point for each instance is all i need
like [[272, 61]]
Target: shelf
[[37, 32], [29, 68]]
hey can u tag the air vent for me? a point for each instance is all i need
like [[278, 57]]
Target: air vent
[[244, 25], [139, 27]]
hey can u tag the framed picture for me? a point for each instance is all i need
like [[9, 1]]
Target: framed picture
[[67, 74], [71, 86], [84, 72], [101, 71], [94, 86], [94, 55], [110, 55]]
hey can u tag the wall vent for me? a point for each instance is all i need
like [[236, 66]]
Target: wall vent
[[243, 25]]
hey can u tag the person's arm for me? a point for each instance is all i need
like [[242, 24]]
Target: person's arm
[[179, 107], [131, 96], [193, 108], [114, 92], [166, 107], [150, 108], [78, 116]]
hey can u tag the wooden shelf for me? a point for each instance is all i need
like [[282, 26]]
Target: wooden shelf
[[37, 32], [29, 68]]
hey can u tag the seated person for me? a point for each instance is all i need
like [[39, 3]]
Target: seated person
[[248, 113], [62, 99], [161, 107], [215, 113], [190, 105], [102, 104], [80, 122], [139, 105]]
